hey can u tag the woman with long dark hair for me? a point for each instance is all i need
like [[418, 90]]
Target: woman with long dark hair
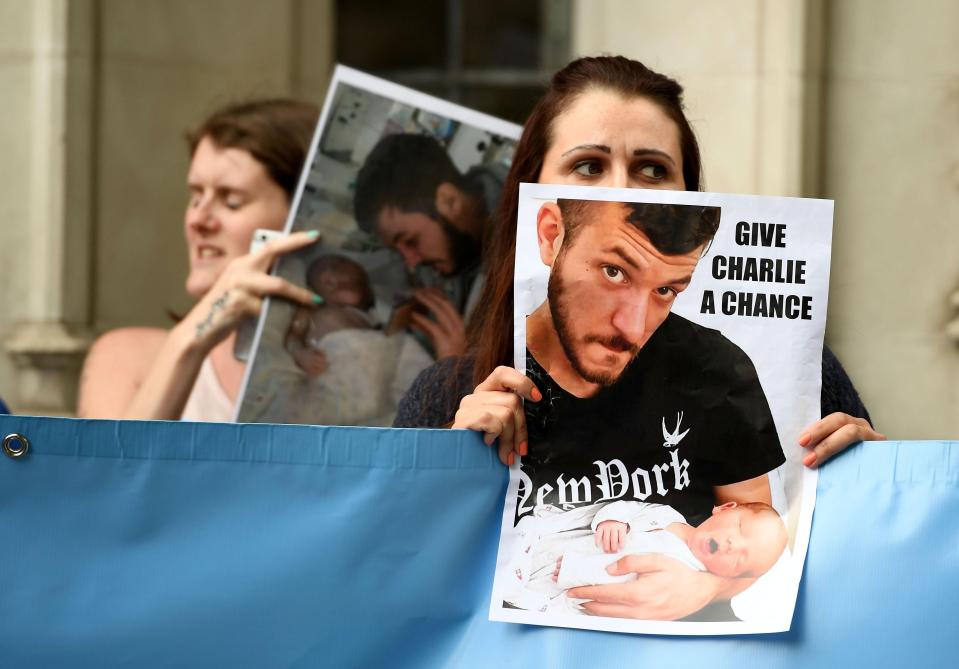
[[604, 121]]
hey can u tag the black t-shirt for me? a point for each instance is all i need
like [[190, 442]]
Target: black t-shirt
[[687, 414]]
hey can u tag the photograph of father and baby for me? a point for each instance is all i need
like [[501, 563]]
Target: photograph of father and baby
[[400, 186], [655, 466], [656, 471]]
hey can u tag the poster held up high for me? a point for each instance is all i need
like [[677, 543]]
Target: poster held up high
[[399, 185], [676, 339]]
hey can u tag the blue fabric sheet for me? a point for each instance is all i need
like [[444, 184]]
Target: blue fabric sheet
[[155, 544]]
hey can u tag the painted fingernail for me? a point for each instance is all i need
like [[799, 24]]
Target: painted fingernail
[[523, 447], [810, 459], [536, 394], [511, 458], [313, 234], [804, 439], [317, 299]]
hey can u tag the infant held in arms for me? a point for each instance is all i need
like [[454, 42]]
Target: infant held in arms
[[566, 549], [352, 372], [347, 296]]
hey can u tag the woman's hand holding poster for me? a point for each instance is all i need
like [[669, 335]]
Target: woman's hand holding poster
[[676, 340]]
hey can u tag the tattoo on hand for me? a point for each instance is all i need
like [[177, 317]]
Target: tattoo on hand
[[206, 324]]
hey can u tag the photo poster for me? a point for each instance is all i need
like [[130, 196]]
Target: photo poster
[[656, 395], [349, 360]]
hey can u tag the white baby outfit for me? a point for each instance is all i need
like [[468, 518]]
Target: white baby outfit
[[551, 533]]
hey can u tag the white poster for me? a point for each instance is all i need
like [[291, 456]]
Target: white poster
[[400, 186], [676, 340]]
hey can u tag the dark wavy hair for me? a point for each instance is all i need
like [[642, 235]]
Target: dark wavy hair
[[491, 327], [672, 229], [403, 171]]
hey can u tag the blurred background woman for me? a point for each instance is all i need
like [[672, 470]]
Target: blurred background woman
[[245, 163]]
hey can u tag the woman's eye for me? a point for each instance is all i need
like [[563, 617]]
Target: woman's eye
[[233, 203], [614, 274], [653, 171], [588, 168]]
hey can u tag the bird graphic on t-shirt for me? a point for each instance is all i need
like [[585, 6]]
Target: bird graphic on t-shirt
[[673, 438]]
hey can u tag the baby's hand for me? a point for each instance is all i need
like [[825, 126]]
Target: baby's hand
[[611, 535]]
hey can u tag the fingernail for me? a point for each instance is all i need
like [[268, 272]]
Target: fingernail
[[536, 394], [523, 447], [318, 299], [313, 234], [804, 439], [511, 458], [810, 459]]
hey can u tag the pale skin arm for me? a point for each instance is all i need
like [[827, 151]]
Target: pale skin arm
[[159, 389], [115, 368]]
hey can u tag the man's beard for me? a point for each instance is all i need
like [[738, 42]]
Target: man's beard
[[559, 310], [463, 249]]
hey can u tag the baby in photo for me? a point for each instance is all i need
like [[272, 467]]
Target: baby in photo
[[347, 370], [347, 297], [568, 549]]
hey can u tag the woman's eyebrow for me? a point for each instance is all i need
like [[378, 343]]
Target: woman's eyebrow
[[227, 189], [588, 147], [654, 152]]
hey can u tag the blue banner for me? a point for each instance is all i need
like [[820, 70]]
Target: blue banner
[[158, 544]]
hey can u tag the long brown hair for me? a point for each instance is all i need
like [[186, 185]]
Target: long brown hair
[[490, 331]]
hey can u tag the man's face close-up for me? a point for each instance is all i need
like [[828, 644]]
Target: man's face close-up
[[421, 239], [609, 289], [418, 238]]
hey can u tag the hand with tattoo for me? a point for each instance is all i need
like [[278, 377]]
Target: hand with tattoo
[[239, 291]]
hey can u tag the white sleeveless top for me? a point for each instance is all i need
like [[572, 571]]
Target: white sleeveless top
[[208, 402]]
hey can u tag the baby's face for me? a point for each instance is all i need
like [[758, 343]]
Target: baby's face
[[736, 541]]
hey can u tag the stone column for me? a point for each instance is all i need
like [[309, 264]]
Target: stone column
[[48, 297]]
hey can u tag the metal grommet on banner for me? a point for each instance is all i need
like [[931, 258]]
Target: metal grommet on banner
[[15, 445]]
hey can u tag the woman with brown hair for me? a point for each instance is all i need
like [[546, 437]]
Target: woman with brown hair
[[245, 163], [604, 121]]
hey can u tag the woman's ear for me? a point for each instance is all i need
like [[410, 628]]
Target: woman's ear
[[450, 202], [549, 232]]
